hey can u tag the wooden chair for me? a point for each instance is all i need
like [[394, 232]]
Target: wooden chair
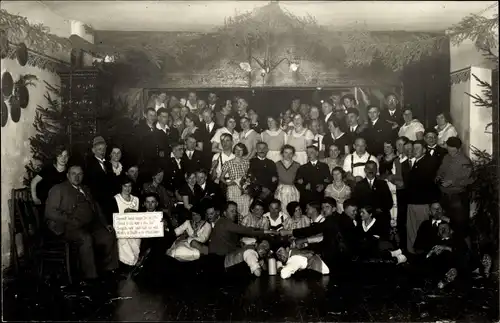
[[41, 246]]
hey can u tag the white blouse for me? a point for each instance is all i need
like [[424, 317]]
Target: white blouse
[[201, 235]]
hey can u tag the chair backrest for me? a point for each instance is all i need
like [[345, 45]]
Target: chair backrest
[[25, 215]]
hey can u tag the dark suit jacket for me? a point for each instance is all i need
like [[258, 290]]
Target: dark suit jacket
[[211, 193], [427, 237], [165, 140], [264, 171], [99, 182], [378, 196], [196, 161], [313, 175], [396, 117], [375, 136], [348, 229], [421, 188], [207, 144], [174, 176], [145, 138], [333, 245], [438, 155], [359, 132], [61, 206]]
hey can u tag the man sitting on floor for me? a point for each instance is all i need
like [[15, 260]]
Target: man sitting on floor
[[72, 213], [448, 257], [294, 260], [224, 247]]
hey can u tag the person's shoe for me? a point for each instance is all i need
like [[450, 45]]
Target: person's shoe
[[401, 259], [486, 265], [449, 278]]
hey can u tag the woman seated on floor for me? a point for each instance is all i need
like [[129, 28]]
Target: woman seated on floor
[[196, 229], [373, 238], [448, 257]]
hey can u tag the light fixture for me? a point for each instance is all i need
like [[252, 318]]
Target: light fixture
[[294, 67], [109, 59], [266, 67]]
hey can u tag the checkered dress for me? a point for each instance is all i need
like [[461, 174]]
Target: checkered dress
[[296, 223], [236, 170]]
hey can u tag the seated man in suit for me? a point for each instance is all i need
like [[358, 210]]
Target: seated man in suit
[[193, 158], [208, 191], [72, 212], [375, 192], [312, 178], [427, 234], [347, 222], [264, 173], [448, 258]]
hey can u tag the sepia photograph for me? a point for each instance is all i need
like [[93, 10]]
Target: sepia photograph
[[249, 161]]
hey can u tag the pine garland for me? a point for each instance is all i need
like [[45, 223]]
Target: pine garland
[[35, 36]]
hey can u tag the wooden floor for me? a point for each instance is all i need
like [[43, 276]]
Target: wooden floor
[[374, 293]]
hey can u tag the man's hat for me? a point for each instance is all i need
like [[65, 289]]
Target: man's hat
[[98, 140]]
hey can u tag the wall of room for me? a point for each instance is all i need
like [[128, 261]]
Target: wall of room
[[470, 119], [15, 150]]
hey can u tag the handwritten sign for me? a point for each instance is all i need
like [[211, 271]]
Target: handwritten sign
[[138, 225]]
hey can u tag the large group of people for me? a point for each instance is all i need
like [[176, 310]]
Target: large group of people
[[313, 187]]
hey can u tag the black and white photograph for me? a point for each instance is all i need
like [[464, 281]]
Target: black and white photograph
[[250, 161]]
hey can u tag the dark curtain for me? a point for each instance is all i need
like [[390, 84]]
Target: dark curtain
[[427, 85]]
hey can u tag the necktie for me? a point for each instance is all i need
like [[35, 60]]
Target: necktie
[[352, 129], [208, 127], [371, 183], [412, 163], [190, 154]]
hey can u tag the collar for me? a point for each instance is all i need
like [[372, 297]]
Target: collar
[[354, 127], [101, 160], [203, 185], [416, 160], [433, 147], [328, 115], [402, 158], [314, 162], [370, 180], [158, 126], [434, 222], [189, 151], [260, 158], [209, 124], [367, 227], [374, 122], [391, 112], [319, 219]]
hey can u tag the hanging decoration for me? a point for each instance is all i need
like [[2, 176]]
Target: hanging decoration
[[7, 84], [22, 54], [21, 89], [5, 114], [15, 109]]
